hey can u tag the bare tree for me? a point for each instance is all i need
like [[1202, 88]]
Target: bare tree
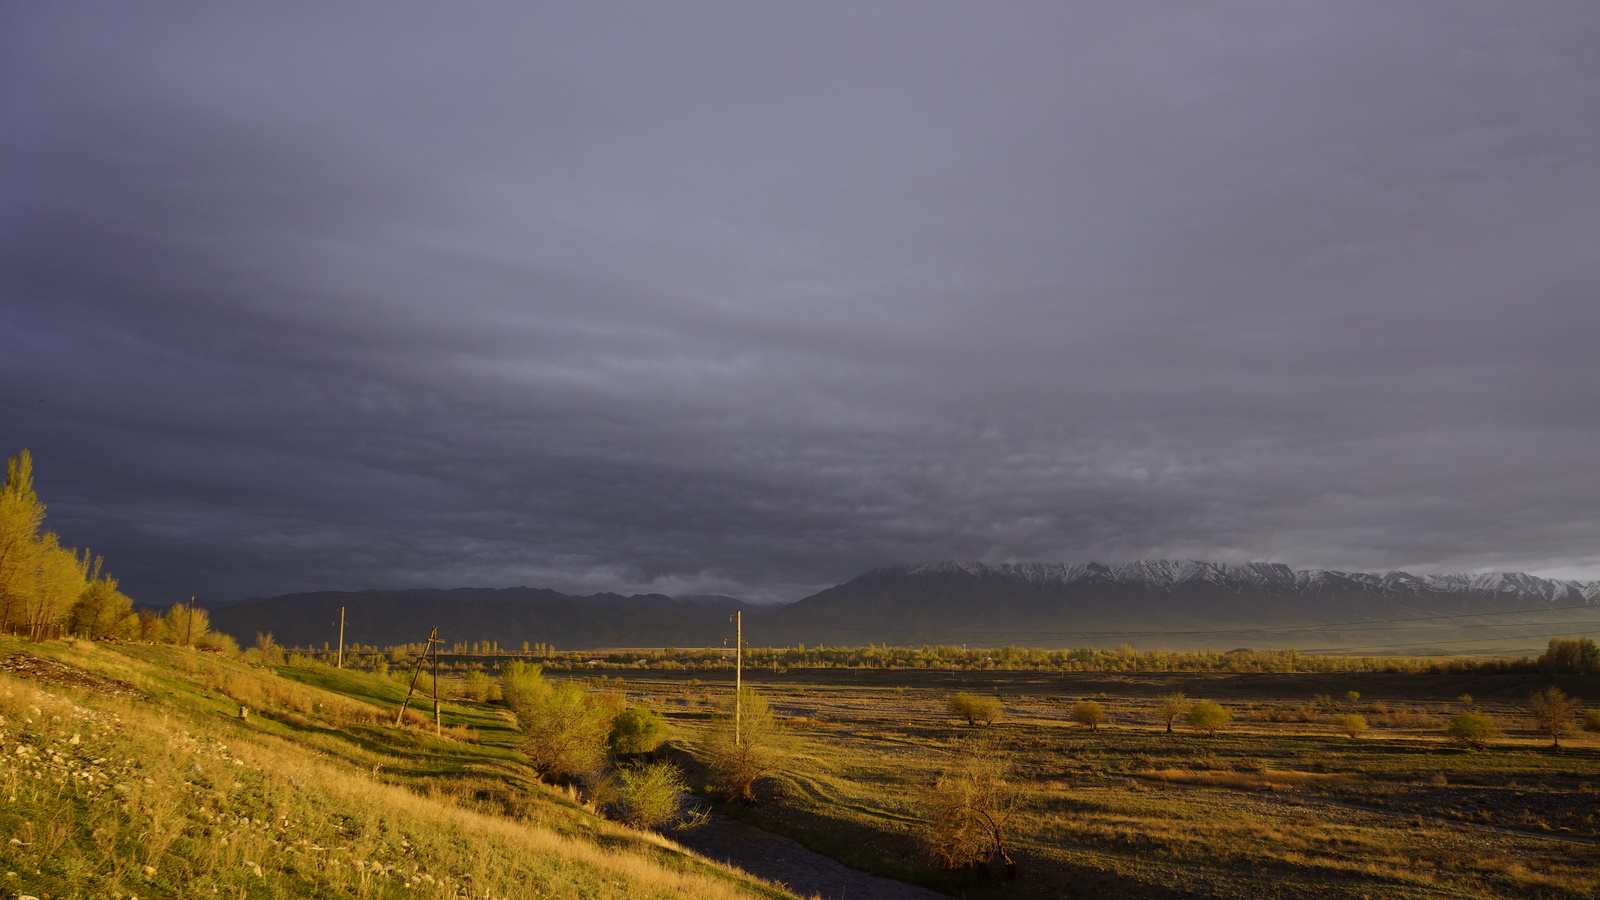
[[1170, 708], [969, 811], [1552, 711], [739, 754]]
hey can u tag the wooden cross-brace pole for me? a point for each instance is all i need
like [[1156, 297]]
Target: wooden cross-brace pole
[[433, 638]]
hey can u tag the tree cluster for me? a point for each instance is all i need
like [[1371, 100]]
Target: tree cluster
[[1580, 656], [45, 588]]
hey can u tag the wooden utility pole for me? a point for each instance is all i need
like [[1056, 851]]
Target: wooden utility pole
[[738, 673], [422, 661], [341, 639], [188, 629], [434, 646]]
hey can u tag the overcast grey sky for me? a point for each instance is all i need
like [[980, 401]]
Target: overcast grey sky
[[749, 297]]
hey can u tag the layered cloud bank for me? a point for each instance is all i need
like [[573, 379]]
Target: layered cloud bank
[[718, 299]]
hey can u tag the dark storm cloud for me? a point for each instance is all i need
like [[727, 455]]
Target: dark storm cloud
[[749, 299]]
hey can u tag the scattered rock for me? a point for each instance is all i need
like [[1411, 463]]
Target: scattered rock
[[26, 665]]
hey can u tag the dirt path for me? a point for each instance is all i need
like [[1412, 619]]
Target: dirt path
[[779, 859]]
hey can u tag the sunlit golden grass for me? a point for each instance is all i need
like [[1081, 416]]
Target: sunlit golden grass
[[101, 797], [1253, 781]]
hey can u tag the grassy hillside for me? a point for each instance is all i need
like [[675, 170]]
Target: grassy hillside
[[126, 771]]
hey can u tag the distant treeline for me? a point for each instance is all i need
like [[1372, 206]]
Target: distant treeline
[[50, 591], [1579, 656]]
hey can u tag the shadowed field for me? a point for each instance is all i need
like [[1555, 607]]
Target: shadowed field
[[1279, 803]]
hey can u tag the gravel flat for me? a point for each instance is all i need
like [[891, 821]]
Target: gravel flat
[[787, 862]]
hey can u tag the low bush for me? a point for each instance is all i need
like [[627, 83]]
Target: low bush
[[1473, 729], [637, 729], [1208, 716], [975, 708], [650, 796], [1349, 723], [1089, 713]]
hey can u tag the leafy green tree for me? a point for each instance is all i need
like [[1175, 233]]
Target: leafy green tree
[[635, 730], [21, 515], [519, 682], [1591, 720], [975, 708], [40, 580], [477, 686], [185, 625], [1473, 729], [564, 729], [1170, 708], [59, 577], [102, 611], [1089, 714], [1552, 711], [740, 754], [216, 640], [1208, 716]]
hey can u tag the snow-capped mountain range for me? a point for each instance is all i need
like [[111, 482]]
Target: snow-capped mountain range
[[1166, 575]]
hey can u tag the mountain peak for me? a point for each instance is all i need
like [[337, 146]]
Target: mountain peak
[[1166, 575]]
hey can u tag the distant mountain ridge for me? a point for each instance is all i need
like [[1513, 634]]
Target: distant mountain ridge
[[1172, 604], [509, 616], [1177, 604], [1166, 574]]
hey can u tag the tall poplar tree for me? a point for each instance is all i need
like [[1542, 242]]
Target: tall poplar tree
[[21, 514], [40, 580]]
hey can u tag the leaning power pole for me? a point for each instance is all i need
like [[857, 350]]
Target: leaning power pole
[[341, 639], [422, 662]]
